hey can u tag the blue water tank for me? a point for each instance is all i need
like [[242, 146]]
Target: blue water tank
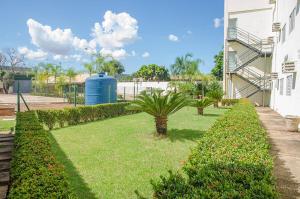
[[100, 89]]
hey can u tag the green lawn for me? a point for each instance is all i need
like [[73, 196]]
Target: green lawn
[[6, 125], [114, 157]]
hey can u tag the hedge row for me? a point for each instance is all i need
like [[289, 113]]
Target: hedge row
[[229, 102], [231, 161], [35, 173], [74, 116]]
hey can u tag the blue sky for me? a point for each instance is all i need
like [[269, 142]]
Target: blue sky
[[147, 32]]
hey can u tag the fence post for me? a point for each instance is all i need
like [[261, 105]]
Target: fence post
[[75, 95], [18, 96], [134, 90], [124, 93]]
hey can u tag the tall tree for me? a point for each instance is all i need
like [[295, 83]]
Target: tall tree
[[113, 67], [14, 59], [55, 71], [99, 62], [71, 74], [153, 72], [46, 70], [90, 68], [185, 66], [3, 59], [217, 71]]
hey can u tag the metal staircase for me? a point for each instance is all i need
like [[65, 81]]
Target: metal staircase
[[256, 48]]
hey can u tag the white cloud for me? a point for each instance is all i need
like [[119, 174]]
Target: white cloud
[[146, 54], [30, 54], [116, 30], [133, 53], [108, 37], [172, 37], [117, 53], [218, 22], [189, 32]]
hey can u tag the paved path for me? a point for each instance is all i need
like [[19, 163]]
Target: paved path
[[6, 146], [286, 151]]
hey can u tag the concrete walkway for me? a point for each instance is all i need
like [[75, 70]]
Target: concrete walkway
[[285, 148]]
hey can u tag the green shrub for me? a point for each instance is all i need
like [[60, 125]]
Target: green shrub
[[232, 160], [82, 114], [35, 173], [61, 117], [48, 117], [229, 102]]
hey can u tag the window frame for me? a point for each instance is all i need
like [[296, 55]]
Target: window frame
[[283, 33], [281, 86], [292, 21], [289, 85]]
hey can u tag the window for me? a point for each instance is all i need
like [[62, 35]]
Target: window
[[283, 34], [281, 82], [289, 83], [292, 20]]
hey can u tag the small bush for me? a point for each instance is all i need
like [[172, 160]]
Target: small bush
[[232, 160], [35, 173]]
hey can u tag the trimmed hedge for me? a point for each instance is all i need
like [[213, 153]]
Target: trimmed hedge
[[229, 102], [232, 160], [35, 173], [83, 114]]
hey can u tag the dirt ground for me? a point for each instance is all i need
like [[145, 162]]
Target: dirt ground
[[34, 102]]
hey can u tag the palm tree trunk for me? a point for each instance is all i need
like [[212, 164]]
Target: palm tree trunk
[[200, 111], [161, 125], [216, 104]]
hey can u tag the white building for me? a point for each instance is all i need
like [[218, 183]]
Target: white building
[[262, 53]]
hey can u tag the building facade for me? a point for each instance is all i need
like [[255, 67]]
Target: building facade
[[262, 53]]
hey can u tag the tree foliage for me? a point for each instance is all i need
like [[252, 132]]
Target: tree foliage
[[217, 71], [160, 106], [153, 72], [186, 66]]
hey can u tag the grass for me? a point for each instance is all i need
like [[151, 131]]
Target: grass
[[6, 125], [114, 157]]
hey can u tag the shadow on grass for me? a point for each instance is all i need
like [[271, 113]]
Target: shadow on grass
[[212, 114], [77, 184], [184, 135]]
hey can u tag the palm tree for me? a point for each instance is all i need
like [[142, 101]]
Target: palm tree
[[113, 67], [55, 71], [185, 66], [99, 62], [90, 68], [215, 92], [71, 73], [160, 106], [201, 104]]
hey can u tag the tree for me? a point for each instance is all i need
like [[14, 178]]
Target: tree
[[71, 74], [14, 59], [215, 92], [90, 68], [217, 71], [185, 66], [160, 106], [113, 67], [153, 72], [8, 81], [3, 59], [99, 62], [200, 104], [46, 70], [55, 71]]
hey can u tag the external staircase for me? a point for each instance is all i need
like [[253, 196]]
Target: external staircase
[[255, 49]]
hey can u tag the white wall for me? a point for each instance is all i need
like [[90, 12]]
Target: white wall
[[286, 105]]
